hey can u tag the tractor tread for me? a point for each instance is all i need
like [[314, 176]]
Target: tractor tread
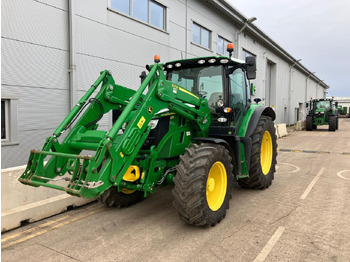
[[190, 184], [309, 125], [112, 198], [256, 179], [332, 123]]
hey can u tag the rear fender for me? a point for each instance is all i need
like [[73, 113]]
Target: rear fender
[[252, 119]]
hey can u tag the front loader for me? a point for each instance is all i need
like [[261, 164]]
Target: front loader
[[190, 124]]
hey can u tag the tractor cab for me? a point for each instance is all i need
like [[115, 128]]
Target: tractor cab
[[222, 81]]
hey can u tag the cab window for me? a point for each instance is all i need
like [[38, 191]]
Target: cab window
[[238, 99]]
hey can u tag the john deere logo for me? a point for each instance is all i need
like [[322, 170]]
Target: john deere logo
[[150, 109]]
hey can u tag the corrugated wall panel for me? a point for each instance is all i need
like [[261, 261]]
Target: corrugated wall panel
[[18, 155], [39, 108], [34, 22], [89, 68], [33, 65], [60, 4], [110, 42], [34, 69]]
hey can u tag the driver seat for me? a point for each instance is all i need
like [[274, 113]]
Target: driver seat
[[214, 97]]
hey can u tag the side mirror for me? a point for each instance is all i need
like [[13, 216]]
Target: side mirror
[[307, 105], [250, 65], [257, 100]]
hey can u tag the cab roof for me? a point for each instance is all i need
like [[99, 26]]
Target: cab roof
[[202, 61]]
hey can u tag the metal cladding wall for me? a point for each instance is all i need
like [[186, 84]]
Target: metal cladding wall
[[35, 58], [34, 64], [290, 87]]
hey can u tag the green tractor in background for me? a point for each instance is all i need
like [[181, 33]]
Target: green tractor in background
[[190, 124], [322, 112], [343, 111]]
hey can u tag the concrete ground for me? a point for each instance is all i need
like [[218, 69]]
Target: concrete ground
[[303, 216]]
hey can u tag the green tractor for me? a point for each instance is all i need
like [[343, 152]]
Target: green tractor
[[322, 112], [190, 124]]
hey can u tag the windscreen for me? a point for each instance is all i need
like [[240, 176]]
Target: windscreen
[[205, 82], [326, 105]]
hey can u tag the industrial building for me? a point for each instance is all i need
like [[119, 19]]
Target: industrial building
[[53, 50]]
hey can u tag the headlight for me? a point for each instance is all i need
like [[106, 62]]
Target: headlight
[[220, 103], [222, 119]]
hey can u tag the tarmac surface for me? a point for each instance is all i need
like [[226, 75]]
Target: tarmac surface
[[303, 216]]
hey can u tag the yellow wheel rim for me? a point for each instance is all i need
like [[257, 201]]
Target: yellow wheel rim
[[266, 153], [216, 186], [127, 191]]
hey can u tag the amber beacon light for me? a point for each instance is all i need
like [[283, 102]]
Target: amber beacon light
[[230, 48], [156, 59]]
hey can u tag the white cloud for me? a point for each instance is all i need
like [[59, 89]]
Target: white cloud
[[318, 31]]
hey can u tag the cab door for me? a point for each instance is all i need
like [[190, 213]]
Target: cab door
[[237, 95]]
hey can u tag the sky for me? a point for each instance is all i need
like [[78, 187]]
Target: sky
[[316, 31]]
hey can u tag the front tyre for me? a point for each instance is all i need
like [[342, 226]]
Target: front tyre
[[111, 197], [308, 125], [203, 184], [332, 123], [263, 155]]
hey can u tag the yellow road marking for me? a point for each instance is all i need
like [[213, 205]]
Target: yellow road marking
[[49, 229], [32, 229]]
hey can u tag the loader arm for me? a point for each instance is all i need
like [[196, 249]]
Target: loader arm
[[115, 150]]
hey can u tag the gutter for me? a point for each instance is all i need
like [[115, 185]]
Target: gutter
[[71, 40]]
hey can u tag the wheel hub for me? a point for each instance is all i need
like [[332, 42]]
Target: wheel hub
[[211, 184]]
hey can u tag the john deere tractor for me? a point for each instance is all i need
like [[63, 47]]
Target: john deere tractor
[[322, 112], [190, 124]]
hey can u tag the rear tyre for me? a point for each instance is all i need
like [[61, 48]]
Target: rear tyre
[[263, 157], [203, 184], [332, 123], [111, 197], [309, 125]]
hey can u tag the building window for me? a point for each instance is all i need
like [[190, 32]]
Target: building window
[[222, 46], [9, 125], [246, 53], [201, 35], [144, 10], [4, 120]]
